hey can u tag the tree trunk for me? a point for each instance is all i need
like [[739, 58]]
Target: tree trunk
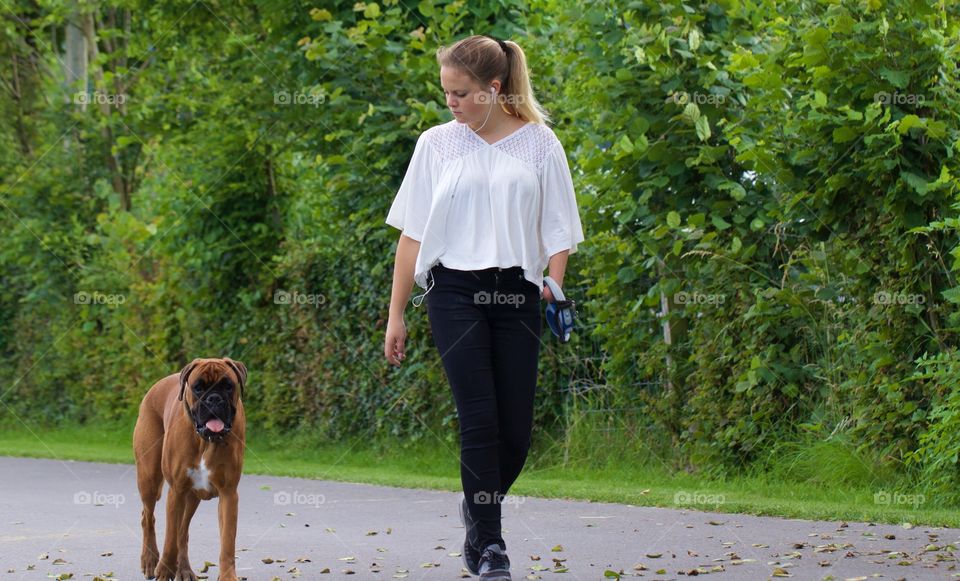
[[103, 104]]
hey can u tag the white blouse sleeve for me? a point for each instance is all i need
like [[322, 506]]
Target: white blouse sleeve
[[411, 206], [560, 227]]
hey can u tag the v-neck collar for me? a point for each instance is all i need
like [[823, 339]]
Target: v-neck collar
[[499, 141]]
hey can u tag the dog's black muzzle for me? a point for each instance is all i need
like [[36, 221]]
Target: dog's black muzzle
[[213, 406]]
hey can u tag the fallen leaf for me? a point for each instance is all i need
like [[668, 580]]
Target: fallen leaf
[[539, 568]]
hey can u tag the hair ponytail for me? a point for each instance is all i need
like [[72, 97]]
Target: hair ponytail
[[519, 89], [486, 59]]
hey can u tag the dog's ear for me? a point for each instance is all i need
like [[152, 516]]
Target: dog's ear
[[185, 376], [240, 370]]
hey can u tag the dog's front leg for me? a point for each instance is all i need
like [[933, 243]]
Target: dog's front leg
[[167, 567], [184, 571], [227, 509]]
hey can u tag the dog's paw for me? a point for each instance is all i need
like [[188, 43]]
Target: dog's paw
[[185, 573], [164, 572], [230, 576], [148, 564]]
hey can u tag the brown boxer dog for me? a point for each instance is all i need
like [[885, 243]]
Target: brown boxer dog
[[190, 432]]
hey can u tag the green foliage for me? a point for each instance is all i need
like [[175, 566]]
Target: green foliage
[[754, 175], [768, 190], [939, 444]]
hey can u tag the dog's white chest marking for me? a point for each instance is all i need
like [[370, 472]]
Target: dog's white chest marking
[[200, 476]]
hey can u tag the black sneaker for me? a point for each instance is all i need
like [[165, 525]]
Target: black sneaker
[[471, 555], [494, 564]]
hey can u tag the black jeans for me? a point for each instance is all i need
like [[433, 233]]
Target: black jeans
[[486, 326]]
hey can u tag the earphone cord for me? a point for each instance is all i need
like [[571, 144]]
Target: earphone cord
[[489, 111], [430, 284]]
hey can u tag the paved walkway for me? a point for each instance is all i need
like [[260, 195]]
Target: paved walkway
[[83, 518]]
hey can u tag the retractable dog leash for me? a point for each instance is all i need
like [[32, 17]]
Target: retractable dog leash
[[560, 313]]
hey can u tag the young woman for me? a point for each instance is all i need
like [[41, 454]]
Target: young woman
[[487, 203]]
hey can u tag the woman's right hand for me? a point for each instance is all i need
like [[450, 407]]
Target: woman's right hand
[[393, 347]]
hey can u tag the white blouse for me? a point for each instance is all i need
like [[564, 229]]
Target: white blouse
[[475, 205]]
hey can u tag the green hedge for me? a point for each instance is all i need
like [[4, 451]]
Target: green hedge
[[772, 184]]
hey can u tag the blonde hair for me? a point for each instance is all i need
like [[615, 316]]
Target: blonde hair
[[485, 60]]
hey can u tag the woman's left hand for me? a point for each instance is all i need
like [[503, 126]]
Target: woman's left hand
[[547, 295]]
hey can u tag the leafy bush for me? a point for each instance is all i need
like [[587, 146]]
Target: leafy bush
[[768, 192]]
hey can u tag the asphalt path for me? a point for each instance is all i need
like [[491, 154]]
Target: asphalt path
[[83, 519]]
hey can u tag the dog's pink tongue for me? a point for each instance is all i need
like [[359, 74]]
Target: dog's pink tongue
[[215, 425]]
